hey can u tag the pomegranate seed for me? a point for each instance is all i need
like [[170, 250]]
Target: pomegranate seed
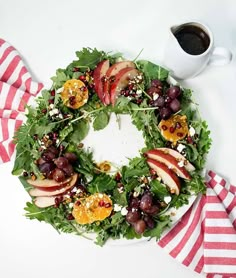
[[164, 127], [189, 140], [178, 125], [101, 203], [78, 203], [70, 217], [25, 174], [44, 111], [83, 88], [82, 77], [75, 69], [118, 177], [62, 148], [53, 93], [180, 134], [172, 129], [145, 155], [107, 205], [51, 101]]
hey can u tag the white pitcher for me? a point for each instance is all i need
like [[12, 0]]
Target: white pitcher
[[184, 65]]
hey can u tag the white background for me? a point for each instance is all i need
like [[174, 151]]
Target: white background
[[47, 34]]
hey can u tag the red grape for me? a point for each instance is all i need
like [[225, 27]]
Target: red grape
[[149, 221], [146, 201], [46, 167], [175, 105], [70, 156], [59, 175], [68, 169], [133, 216], [173, 92], [156, 83], [165, 113], [140, 226], [61, 162]]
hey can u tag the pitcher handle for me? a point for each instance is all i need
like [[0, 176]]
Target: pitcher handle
[[220, 57]]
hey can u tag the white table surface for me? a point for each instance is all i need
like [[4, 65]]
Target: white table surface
[[47, 34]]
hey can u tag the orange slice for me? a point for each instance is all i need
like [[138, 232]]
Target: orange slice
[[74, 94], [95, 207], [175, 128]]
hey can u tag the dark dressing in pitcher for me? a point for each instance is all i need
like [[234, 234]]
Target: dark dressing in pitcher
[[192, 39]]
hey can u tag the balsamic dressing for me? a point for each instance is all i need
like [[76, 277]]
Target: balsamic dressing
[[192, 39]]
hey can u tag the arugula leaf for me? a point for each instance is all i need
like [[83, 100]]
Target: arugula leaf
[[119, 198], [89, 57], [101, 183], [101, 120], [159, 190], [80, 131], [152, 71], [60, 78], [158, 230]]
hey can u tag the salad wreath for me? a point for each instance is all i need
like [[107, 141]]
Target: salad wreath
[[76, 194]]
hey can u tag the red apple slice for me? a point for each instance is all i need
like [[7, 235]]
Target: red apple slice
[[122, 79], [44, 202], [35, 192], [179, 157], [112, 71], [169, 178], [99, 76], [48, 184], [170, 161]]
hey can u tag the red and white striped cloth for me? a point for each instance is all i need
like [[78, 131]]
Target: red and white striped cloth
[[204, 239], [16, 90]]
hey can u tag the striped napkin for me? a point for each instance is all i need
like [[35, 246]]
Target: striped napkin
[[204, 239], [16, 90]]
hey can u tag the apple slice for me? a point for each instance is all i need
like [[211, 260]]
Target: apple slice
[[44, 202], [122, 79], [170, 161], [99, 76], [179, 157], [48, 184], [169, 178], [35, 192], [112, 71]]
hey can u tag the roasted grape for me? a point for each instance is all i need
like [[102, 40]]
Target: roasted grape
[[146, 201], [46, 167], [134, 202], [61, 162], [47, 155], [59, 175], [153, 210], [156, 83], [149, 221], [175, 105], [70, 156], [140, 226], [133, 216], [68, 169], [165, 113], [173, 92]]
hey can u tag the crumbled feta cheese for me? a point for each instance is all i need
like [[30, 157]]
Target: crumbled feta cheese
[[124, 211], [167, 199], [100, 195], [181, 163], [191, 131], [51, 106], [136, 194], [155, 96], [59, 90], [139, 92], [71, 205], [120, 189], [180, 148], [117, 207]]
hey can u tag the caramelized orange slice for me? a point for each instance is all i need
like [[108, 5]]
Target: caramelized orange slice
[[175, 128], [74, 94], [93, 208]]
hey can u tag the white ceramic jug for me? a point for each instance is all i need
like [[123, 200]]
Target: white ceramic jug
[[178, 57]]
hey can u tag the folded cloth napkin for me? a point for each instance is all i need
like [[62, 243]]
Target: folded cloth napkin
[[16, 90], [204, 239]]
